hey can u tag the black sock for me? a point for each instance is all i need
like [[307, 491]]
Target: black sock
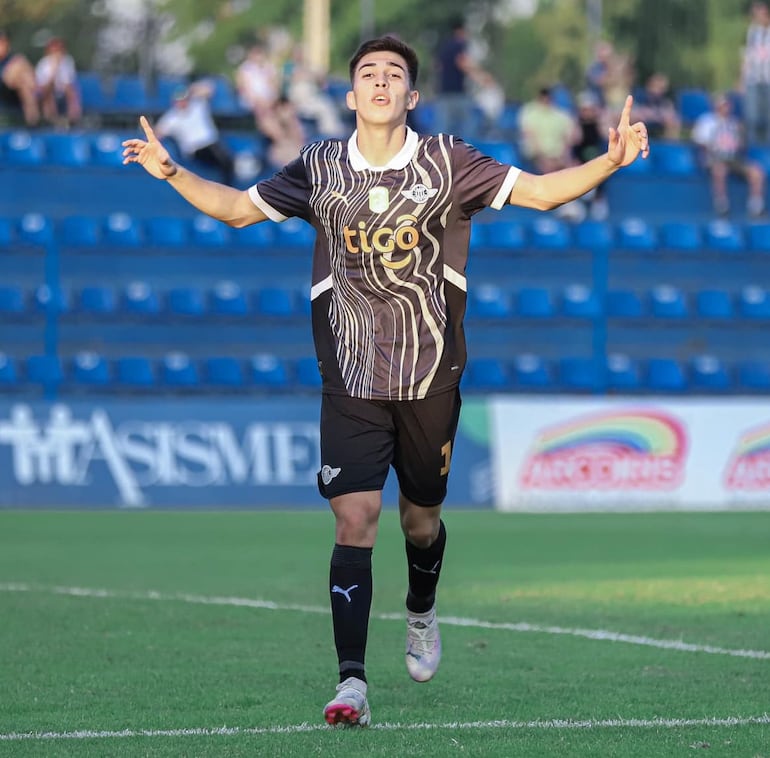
[[350, 588], [424, 571]]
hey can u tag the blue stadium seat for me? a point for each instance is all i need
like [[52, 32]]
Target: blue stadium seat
[[35, 229], [268, 371], [550, 233], [259, 236], [274, 302], [503, 152], [532, 372], [507, 235], [80, 231], [708, 374], [304, 304], [760, 154], [579, 301], [122, 229], [9, 372], [168, 231], [754, 302], [135, 372], [306, 372], [681, 235], [691, 103], [178, 370], [667, 302], [594, 235], [486, 374], [754, 375], [623, 373], [724, 235], [228, 299], [129, 95], [758, 235], [7, 231], [65, 149], [713, 304], [624, 304], [579, 374], [478, 237], [23, 148], [51, 300], [106, 149], [489, 301], [91, 369], [97, 300], [223, 371], [93, 94], [185, 301], [534, 302], [665, 375], [44, 369], [675, 158], [209, 232], [224, 100], [636, 234], [12, 300], [166, 86], [295, 232], [139, 299]]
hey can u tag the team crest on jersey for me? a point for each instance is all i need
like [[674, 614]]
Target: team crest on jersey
[[419, 193], [378, 199]]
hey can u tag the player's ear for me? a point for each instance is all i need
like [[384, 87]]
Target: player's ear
[[414, 98], [350, 100]]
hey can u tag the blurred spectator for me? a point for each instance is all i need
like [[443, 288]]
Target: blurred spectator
[[17, 82], [57, 85], [654, 105], [190, 124], [456, 70], [258, 83], [548, 133], [489, 97], [609, 76], [719, 134], [305, 89], [755, 75], [285, 132], [592, 141]]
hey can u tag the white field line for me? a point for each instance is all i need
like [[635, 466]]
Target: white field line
[[538, 725], [603, 635]]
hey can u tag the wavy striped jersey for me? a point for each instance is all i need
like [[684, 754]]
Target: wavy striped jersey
[[388, 282]]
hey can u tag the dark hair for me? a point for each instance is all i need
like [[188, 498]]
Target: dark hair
[[387, 44]]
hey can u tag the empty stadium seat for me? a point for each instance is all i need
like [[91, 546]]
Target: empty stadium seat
[[665, 375], [106, 149], [294, 232], [623, 373], [259, 236], [129, 95], [12, 300], [713, 303], [96, 299], [508, 235], [268, 371], [91, 369], [675, 158], [228, 299], [478, 237], [636, 234], [274, 302], [532, 372], [65, 149], [80, 231], [93, 93], [724, 235], [178, 370], [758, 237], [578, 301], [691, 103], [708, 374], [7, 232], [140, 299], [753, 375], [489, 301], [307, 373], [486, 374], [50, 300], [594, 235], [23, 148], [44, 369], [224, 99], [122, 229], [681, 235], [209, 232], [168, 231], [135, 372], [185, 301], [624, 304], [754, 302], [223, 371], [580, 374], [534, 302], [667, 301], [502, 151], [9, 372], [36, 229], [550, 233]]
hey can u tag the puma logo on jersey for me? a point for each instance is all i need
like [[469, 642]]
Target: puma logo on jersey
[[339, 196], [419, 193], [345, 593]]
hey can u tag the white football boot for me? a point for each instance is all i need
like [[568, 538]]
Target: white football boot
[[423, 645], [350, 707]]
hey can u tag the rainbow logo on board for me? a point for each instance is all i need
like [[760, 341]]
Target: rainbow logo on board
[[627, 449], [749, 465]]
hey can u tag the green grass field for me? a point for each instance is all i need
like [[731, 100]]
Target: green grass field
[[208, 634]]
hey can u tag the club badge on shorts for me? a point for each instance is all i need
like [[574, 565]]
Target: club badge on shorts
[[378, 199]]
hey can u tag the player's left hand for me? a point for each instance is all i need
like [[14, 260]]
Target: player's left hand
[[627, 140]]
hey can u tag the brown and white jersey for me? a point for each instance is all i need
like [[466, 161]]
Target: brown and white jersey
[[388, 289]]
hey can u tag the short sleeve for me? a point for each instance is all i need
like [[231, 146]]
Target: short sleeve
[[480, 181], [285, 194]]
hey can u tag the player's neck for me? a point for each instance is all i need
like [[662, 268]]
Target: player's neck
[[380, 143]]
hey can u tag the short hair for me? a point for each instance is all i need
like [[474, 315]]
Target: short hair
[[387, 44]]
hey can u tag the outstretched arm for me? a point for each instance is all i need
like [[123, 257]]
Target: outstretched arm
[[232, 206], [550, 190]]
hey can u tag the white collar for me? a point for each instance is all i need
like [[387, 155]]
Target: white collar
[[399, 161]]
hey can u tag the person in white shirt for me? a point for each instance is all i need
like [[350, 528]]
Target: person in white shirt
[[56, 78], [189, 122], [719, 135]]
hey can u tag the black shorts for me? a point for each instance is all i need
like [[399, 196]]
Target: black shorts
[[361, 439]]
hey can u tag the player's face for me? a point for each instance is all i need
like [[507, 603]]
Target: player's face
[[381, 91]]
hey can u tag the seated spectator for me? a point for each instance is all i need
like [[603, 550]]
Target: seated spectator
[[592, 141], [609, 76], [719, 134], [285, 132], [258, 83], [57, 85], [548, 133], [654, 105], [190, 124], [17, 82]]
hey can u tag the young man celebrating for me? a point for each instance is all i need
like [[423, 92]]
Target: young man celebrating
[[392, 212]]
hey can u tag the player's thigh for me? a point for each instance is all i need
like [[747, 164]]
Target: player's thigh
[[423, 454], [357, 438]]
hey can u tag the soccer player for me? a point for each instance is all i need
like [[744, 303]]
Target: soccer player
[[392, 212]]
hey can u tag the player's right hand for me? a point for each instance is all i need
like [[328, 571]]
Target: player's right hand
[[149, 153]]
